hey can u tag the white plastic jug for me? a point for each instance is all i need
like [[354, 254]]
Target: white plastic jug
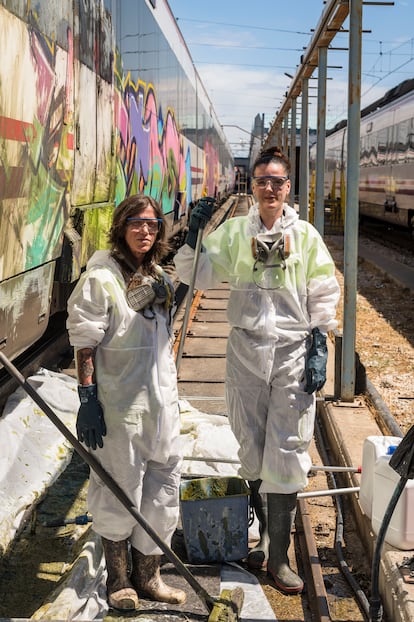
[[373, 448], [400, 532]]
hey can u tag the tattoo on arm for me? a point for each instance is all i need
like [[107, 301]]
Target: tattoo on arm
[[85, 365]]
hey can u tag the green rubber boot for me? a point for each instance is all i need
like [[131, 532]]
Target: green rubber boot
[[281, 515], [257, 557]]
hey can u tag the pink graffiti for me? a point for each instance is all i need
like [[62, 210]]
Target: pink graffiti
[[151, 147]]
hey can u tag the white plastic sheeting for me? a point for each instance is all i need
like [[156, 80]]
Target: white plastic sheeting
[[32, 451], [82, 594], [207, 436], [256, 607]]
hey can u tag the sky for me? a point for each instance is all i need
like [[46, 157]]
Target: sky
[[242, 49]]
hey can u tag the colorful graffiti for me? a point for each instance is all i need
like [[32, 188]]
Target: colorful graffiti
[[77, 135], [36, 146], [151, 153], [45, 173]]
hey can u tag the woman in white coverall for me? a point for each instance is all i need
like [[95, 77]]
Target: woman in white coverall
[[282, 302], [119, 322]]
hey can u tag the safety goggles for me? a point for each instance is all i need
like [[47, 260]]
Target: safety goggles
[[153, 225], [275, 181]]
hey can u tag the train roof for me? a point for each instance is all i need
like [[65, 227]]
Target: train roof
[[396, 92]]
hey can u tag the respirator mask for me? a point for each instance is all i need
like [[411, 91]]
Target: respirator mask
[[145, 291], [270, 249]]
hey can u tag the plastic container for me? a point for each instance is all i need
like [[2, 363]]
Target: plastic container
[[373, 448], [214, 514], [400, 531]]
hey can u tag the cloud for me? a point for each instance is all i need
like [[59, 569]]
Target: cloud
[[239, 94]]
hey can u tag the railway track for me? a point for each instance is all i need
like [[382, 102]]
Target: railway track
[[316, 551], [390, 236]]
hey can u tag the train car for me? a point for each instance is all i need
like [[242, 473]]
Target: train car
[[386, 187], [98, 99]]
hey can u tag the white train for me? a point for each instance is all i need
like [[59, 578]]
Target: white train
[[386, 188], [98, 99]]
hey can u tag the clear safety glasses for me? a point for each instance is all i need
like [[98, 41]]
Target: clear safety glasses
[[137, 224], [275, 181]]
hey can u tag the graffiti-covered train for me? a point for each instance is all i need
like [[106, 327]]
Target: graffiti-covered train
[[386, 187], [99, 99]]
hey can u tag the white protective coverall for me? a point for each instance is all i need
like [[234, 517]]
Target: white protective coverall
[[271, 312], [137, 388]]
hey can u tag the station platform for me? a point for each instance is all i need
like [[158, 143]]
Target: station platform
[[349, 425], [402, 274]]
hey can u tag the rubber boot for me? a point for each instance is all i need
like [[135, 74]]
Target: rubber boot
[[121, 594], [146, 579], [257, 557], [281, 515]]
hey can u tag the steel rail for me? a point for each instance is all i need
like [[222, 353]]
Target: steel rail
[[318, 598]]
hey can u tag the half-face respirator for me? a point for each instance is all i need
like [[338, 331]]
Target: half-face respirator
[[271, 249], [144, 291]]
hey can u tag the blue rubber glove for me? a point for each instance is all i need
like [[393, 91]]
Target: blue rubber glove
[[315, 366], [200, 215], [90, 424]]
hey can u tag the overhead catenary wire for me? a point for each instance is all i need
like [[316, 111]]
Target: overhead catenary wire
[[249, 26]]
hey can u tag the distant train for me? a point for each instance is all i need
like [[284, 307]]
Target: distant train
[[386, 188], [98, 99]]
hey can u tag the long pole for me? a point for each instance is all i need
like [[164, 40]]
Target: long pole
[[190, 293], [352, 203], [96, 466]]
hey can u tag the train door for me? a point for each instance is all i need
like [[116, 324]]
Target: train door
[[35, 163], [94, 164]]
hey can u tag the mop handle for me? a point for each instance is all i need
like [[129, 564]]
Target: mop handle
[[190, 293]]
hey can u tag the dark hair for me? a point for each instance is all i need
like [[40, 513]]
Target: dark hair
[[131, 206], [272, 154]]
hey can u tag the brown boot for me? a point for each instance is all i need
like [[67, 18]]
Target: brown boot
[[147, 580], [121, 594]]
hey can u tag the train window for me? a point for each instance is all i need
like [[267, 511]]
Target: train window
[[382, 145], [86, 32], [372, 152], [392, 144], [95, 38], [402, 140], [52, 23], [364, 153], [410, 150], [105, 46]]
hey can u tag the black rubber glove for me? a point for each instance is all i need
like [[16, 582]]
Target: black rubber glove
[[315, 367], [90, 424], [200, 216]]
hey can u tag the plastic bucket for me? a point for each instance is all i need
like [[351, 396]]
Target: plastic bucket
[[214, 514]]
